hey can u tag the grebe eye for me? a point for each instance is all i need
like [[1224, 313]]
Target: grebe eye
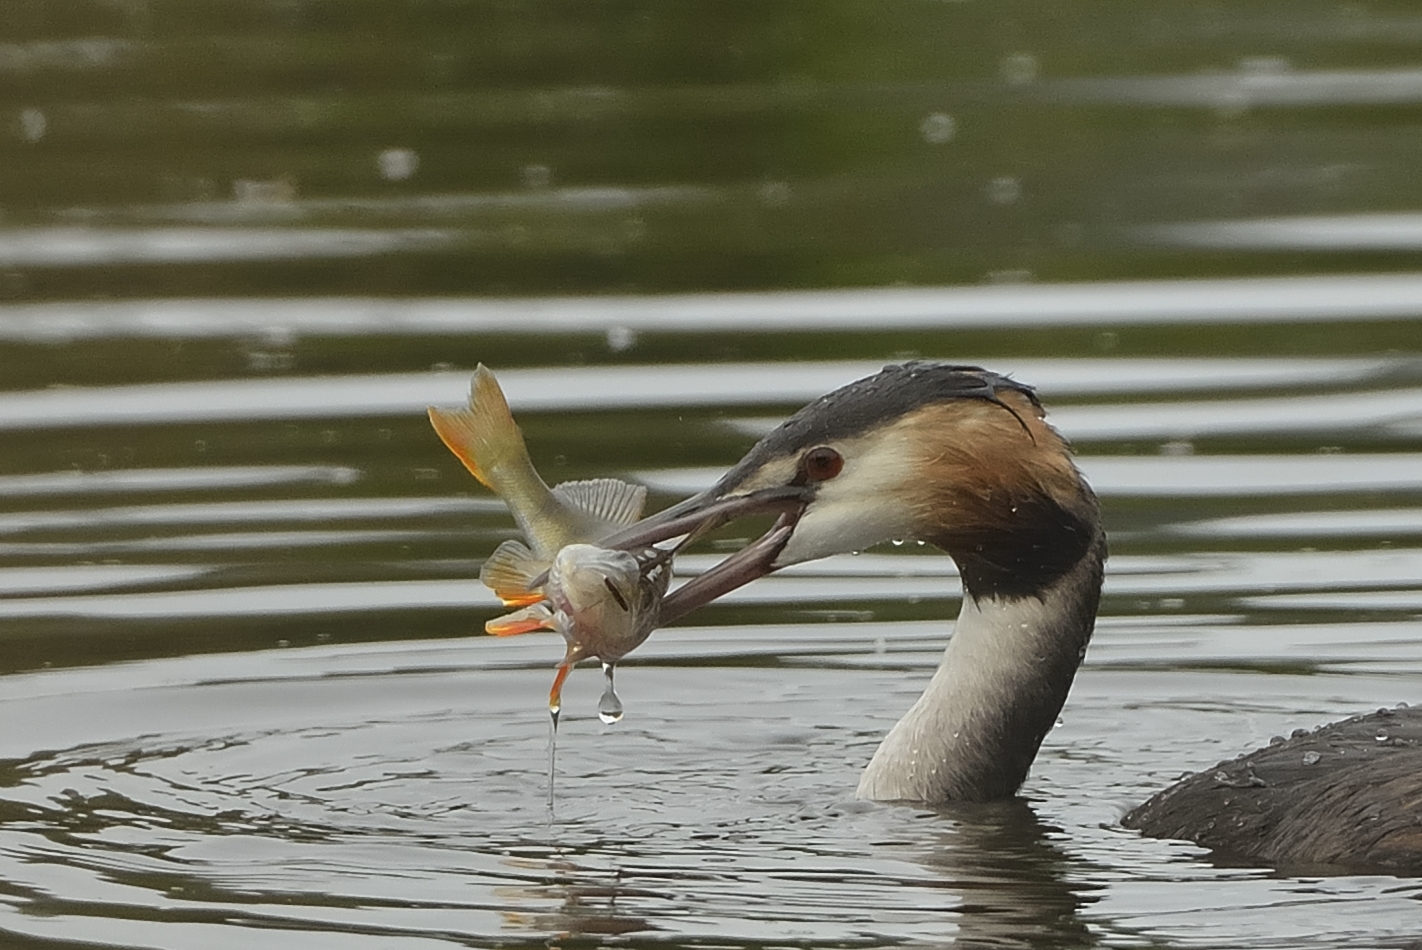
[[821, 464]]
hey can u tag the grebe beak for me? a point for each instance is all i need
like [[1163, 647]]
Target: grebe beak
[[705, 512]]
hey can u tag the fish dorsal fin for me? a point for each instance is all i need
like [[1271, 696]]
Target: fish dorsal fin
[[509, 573], [609, 501]]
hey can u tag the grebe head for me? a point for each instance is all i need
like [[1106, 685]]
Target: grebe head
[[955, 456], [963, 459]]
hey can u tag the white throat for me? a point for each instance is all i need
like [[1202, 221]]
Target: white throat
[[1003, 679]]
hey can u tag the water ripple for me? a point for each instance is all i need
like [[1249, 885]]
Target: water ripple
[[1256, 301], [1190, 476], [744, 384]]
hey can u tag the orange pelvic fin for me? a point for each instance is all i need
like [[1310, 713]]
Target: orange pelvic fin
[[509, 571], [527, 620]]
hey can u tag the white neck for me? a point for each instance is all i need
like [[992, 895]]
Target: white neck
[[973, 733]]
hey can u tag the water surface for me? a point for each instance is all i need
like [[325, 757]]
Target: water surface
[[247, 693], [244, 690]]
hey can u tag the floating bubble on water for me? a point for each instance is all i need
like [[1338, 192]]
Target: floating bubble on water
[[937, 128], [897, 542], [397, 164], [33, 125], [609, 707], [620, 338], [1019, 68]]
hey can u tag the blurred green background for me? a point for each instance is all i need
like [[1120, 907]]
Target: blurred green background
[[244, 243], [279, 147]]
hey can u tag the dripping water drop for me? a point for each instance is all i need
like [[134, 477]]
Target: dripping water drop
[[609, 707], [553, 710]]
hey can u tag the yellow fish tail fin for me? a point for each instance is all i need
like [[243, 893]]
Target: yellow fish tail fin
[[483, 435], [509, 573], [520, 621]]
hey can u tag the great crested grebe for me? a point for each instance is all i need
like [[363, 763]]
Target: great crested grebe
[[963, 459]]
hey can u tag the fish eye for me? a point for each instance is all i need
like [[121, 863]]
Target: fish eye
[[821, 464]]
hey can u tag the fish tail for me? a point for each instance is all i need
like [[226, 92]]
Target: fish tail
[[484, 435]]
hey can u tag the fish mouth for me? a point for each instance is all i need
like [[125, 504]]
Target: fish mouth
[[705, 512]]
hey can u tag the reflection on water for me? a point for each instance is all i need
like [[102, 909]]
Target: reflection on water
[[1258, 82], [239, 640], [442, 147], [396, 793], [70, 247], [1373, 232], [243, 245], [1397, 409], [617, 321]]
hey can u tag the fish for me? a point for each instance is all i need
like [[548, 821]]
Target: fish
[[604, 602]]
